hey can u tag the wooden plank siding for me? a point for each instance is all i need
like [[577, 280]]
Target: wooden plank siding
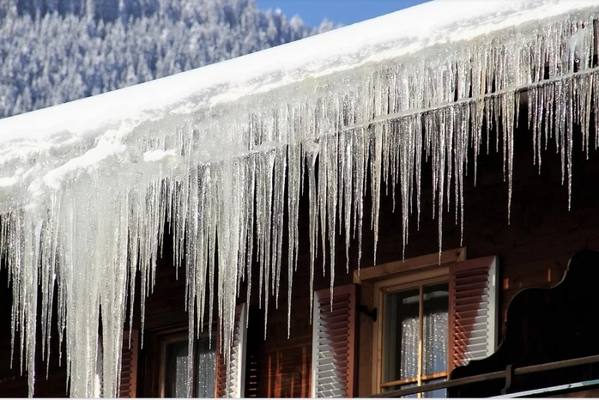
[[533, 251]]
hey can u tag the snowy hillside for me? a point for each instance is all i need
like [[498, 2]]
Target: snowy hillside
[[54, 51]]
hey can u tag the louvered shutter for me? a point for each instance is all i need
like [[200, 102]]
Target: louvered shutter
[[333, 342], [232, 384], [280, 367], [128, 387], [472, 309], [252, 374]]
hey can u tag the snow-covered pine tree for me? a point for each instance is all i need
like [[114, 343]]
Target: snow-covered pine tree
[[54, 51]]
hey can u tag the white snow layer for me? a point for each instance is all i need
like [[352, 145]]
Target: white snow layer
[[224, 152]]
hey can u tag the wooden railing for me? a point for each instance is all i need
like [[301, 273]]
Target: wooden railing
[[505, 374]]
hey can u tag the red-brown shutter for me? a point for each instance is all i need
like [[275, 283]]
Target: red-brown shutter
[[285, 372], [231, 383], [253, 374], [333, 342], [128, 387], [278, 367], [472, 310]]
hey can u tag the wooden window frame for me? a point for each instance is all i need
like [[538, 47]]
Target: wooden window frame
[[165, 341], [153, 356], [162, 340], [376, 282], [383, 291]]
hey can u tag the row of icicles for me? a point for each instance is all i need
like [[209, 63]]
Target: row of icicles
[[81, 250]]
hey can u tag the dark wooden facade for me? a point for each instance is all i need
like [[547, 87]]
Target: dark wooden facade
[[533, 251], [543, 327]]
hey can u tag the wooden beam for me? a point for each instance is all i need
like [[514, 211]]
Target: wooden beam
[[397, 267]]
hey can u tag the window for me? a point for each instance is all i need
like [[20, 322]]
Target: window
[[165, 363], [174, 367], [421, 317], [415, 336]]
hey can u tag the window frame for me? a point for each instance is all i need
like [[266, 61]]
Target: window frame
[[164, 341], [420, 377], [378, 280], [151, 374]]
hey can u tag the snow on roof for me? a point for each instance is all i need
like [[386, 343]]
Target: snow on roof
[[223, 152], [101, 122], [376, 40]]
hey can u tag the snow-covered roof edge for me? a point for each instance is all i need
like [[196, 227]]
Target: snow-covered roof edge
[[376, 40]]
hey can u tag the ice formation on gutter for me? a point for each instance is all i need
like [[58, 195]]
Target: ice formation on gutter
[[82, 215]]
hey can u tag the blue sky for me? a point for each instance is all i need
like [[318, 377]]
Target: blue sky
[[342, 11]]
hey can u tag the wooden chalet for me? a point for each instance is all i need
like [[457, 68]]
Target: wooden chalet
[[506, 307]]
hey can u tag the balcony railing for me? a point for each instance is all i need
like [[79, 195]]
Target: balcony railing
[[507, 374]]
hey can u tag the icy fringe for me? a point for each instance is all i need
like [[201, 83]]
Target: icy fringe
[[338, 137]]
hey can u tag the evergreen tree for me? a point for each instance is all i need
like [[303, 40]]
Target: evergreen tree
[[53, 51]]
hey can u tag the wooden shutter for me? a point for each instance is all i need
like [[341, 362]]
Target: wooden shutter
[[232, 384], [472, 310], [285, 372], [279, 367], [333, 342], [128, 387], [253, 374]]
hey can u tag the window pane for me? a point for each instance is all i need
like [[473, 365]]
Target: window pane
[[401, 336], [435, 322], [176, 369], [206, 368]]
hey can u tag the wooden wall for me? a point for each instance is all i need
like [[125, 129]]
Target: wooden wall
[[12, 382], [533, 251]]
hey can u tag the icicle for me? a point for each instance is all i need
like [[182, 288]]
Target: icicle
[[376, 150], [310, 156], [294, 176]]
